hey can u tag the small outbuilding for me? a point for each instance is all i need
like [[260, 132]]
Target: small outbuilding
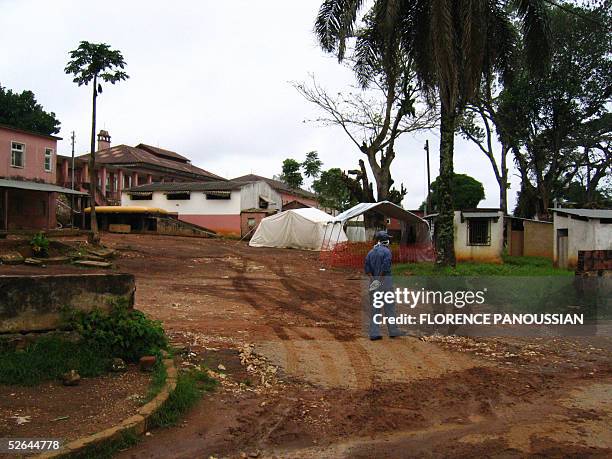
[[529, 238], [479, 235], [580, 230], [297, 229]]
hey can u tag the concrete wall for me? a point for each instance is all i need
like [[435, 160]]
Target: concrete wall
[[582, 235], [34, 156], [34, 303], [538, 239], [487, 253]]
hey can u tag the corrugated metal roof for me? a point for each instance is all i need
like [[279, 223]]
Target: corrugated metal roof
[[189, 186], [276, 184], [36, 186], [587, 213], [126, 155], [475, 214]]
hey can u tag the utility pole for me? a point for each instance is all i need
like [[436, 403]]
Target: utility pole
[[428, 201], [72, 183]]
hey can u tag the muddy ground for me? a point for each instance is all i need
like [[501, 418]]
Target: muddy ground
[[300, 380]]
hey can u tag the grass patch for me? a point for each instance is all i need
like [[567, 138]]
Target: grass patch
[[157, 381], [190, 386], [47, 359], [109, 449], [512, 266]]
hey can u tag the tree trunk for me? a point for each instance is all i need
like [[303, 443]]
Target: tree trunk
[[445, 233], [503, 185], [93, 176]]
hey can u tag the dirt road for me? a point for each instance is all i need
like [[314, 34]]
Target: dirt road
[[300, 380]]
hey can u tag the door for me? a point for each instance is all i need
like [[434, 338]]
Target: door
[[562, 248], [517, 241]]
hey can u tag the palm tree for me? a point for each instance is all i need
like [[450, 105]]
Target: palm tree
[[92, 62], [453, 44]]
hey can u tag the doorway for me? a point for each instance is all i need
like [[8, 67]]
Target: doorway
[[562, 247]]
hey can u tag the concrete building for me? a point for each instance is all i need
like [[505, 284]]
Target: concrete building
[[479, 235], [529, 238], [580, 229], [217, 205], [28, 194], [292, 198], [121, 167]]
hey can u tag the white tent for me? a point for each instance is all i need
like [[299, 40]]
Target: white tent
[[298, 229]]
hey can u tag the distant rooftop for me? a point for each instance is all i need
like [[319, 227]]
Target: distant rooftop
[[191, 186], [275, 184], [25, 131], [585, 213]]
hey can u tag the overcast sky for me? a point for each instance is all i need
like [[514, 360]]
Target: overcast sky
[[208, 79]]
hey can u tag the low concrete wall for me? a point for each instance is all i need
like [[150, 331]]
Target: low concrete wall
[[34, 303]]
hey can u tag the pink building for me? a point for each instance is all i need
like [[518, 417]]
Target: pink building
[[28, 193], [121, 167]]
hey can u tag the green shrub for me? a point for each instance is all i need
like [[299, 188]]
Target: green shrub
[[40, 245], [123, 332]]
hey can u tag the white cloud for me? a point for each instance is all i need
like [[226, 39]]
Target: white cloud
[[208, 79]]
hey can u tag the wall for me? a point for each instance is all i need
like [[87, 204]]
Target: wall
[[582, 235], [34, 156], [30, 209], [538, 239], [34, 303], [288, 197], [220, 215], [244, 222], [250, 193], [487, 253]]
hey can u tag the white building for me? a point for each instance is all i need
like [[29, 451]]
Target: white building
[[226, 207], [479, 235], [580, 229]]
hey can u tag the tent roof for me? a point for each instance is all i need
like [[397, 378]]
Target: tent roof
[[384, 207], [312, 214]]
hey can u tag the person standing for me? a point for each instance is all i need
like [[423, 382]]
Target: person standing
[[378, 268]]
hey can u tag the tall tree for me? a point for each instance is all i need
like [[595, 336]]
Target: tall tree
[[561, 124], [22, 111], [467, 193], [312, 165], [95, 63], [453, 43], [333, 191], [291, 174]]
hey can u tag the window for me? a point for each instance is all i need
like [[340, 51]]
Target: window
[[17, 154], [218, 195], [48, 159], [251, 222], [141, 196], [479, 231], [178, 196]]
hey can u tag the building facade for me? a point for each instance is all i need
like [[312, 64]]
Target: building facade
[[580, 229], [217, 205], [479, 235], [28, 194], [292, 198]]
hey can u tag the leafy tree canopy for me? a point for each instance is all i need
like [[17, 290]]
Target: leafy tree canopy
[[291, 174], [312, 165], [332, 190], [467, 193], [21, 111], [92, 61]]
